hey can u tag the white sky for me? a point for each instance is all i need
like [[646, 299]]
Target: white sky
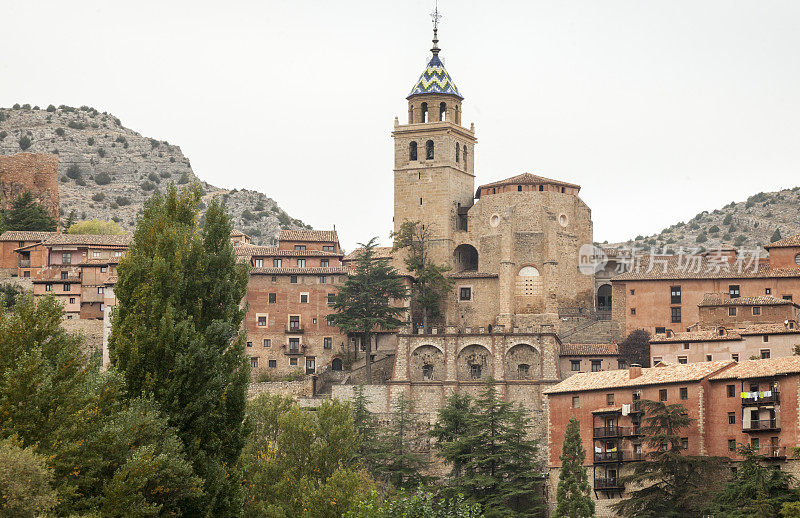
[[659, 109]]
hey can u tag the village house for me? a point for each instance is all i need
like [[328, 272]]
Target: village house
[[753, 402], [577, 358], [660, 293], [13, 263]]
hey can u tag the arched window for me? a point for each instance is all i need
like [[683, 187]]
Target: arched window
[[412, 151], [442, 111], [411, 114], [336, 364], [465, 156], [458, 114], [423, 112], [429, 150], [458, 152], [427, 371]]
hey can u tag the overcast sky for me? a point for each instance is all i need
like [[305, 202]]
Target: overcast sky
[[659, 109]]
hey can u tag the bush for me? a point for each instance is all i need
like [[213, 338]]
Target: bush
[[113, 206], [247, 215], [99, 196], [81, 182], [95, 226], [74, 172], [76, 125], [3, 135], [101, 152], [154, 143], [60, 132], [164, 174], [51, 108], [727, 220], [702, 238], [122, 201], [15, 107], [90, 141], [102, 178], [121, 139], [713, 230], [24, 142], [740, 240], [153, 177], [148, 186], [184, 179]]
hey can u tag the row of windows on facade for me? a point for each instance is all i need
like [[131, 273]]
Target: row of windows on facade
[[597, 365], [278, 263], [294, 322], [66, 257], [272, 298], [476, 371], [733, 290], [294, 279], [311, 363], [675, 313], [294, 343], [429, 151], [325, 248], [764, 354], [68, 287]]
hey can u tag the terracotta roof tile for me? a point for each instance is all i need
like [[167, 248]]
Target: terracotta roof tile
[[607, 409], [761, 368], [250, 250], [327, 236], [24, 235], [89, 239], [472, 275], [702, 335], [238, 233], [528, 179], [645, 267], [784, 243], [651, 376], [715, 299], [333, 270], [380, 252], [767, 329], [589, 349]]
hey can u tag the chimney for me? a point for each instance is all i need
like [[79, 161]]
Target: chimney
[[635, 371]]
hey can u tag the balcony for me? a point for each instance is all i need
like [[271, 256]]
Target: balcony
[[24, 263], [762, 425], [290, 350], [607, 456], [293, 329], [773, 452], [772, 399], [607, 483], [613, 431]]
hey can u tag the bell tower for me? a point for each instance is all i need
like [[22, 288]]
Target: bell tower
[[434, 158]]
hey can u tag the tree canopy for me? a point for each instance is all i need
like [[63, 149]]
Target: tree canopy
[[636, 348], [95, 226], [573, 498], [26, 214]]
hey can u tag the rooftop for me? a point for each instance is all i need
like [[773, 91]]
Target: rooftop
[[701, 335], [715, 299], [435, 80], [24, 235], [647, 267], [89, 239], [791, 241], [761, 368], [587, 381], [589, 349], [323, 236], [380, 252], [526, 179], [332, 270]]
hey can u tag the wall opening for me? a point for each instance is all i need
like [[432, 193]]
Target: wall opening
[[423, 112], [442, 111], [412, 151], [466, 258], [429, 150]]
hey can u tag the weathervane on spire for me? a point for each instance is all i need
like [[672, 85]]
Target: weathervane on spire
[[435, 16]]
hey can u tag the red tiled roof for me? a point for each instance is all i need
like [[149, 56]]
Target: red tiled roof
[[715, 299], [767, 329], [791, 241], [527, 179], [238, 233], [761, 368], [607, 409], [333, 270], [381, 252], [702, 335], [589, 349], [701, 267], [89, 239], [650, 376], [326, 236], [472, 275], [24, 235]]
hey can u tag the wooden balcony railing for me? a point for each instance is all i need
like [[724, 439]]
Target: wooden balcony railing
[[761, 425], [772, 399], [607, 483], [291, 329]]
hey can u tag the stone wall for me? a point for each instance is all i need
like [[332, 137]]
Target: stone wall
[[91, 330], [32, 172], [296, 389]]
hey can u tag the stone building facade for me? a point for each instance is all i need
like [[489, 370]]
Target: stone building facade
[[30, 172]]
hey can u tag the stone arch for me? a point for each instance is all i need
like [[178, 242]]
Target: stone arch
[[523, 361], [412, 150], [474, 363], [426, 364], [423, 112], [336, 364], [442, 111], [604, 298], [465, 258], [529, 292], [429, 150]]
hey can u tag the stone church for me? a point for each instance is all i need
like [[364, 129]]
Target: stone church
[[513, 249]]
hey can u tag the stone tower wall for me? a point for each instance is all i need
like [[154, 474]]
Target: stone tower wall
[[33, 172]]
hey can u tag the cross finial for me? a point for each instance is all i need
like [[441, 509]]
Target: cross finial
[[435, 16]]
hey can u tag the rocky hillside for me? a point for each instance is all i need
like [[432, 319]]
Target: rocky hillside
[[755, 222], [107, 171]]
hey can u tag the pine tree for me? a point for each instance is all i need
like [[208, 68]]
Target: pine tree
[[453, 422], [573, 498], [668, 483], [402, 461], [776, 236], [362, 304], [177, 336], [71, 218], [368, 435], [26, 214]]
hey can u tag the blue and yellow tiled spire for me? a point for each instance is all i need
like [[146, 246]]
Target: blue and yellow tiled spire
[[435, 79]]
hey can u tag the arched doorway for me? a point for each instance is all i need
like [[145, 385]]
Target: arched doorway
[[465, 258], [336, 364], [604, 298]]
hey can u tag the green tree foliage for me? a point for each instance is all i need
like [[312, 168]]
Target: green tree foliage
[[177, 336], [70, 220], [415, 505], [497, 460], [667, 483], [9, 293], [369, 447], [95, 226], [363, 304], [636, 348], [24, 142], [430, 285], [756, 489], [402, 463], [103, 449], [573, 498], [453, 423], [299, 463], [776, 236], [25, 481], [26, 214]]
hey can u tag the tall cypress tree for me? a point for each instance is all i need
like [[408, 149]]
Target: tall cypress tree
[[572, 496], [177, 336]]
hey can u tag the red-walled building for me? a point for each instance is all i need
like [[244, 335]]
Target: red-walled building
[[753, 402]]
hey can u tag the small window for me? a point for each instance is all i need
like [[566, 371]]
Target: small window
[[66, 258], [661, 330], [301, 263], [764, 354], [273, 298], [686, 346], [48, 287], [708, 357], [656, 359], [731, 390], [731, 312], [95, 254], [118, 253], [304, 298], [72, 300], [427, 371], [621, 364], [254, 363], [735, 357], [327, 342], [731, 417], [323, 279], [683, 360], [768, 291], [684, 392], [331, 298], [754, 442], [267, 342], [685, 443], [458, 153], [633, 292], [272, 364], [597, 365], [610, 399], [465, 294], [103, 269], [258, 263], [523, 371], [328, 248], [293, 279], [66, 287], [575, 365], [429, 150], [101, 290], [766, 338], [249, 344], [412, 150], [323, 263], [276, 263], [731, 444], [756, 310], [733, 289], [475, 371], [274, 278], [633, 311], [519, 188], [293, 361], [262, 321], [300, 248], [787, 297], [662, 395], [576, 402], [676, 315], [64, 275], [797, 259], [675, 295]]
